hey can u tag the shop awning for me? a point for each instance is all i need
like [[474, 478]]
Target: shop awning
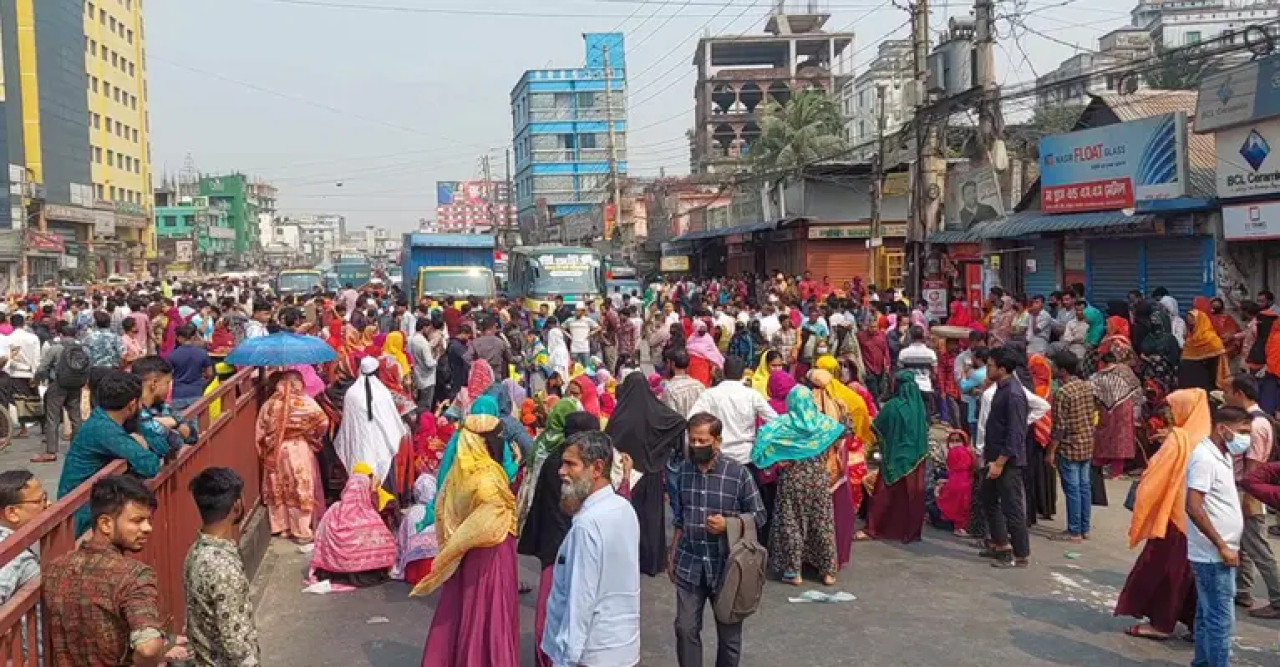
[[745, 228], [955, 236], [1029, 223]]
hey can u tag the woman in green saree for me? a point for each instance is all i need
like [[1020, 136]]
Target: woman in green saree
[[897, 505]]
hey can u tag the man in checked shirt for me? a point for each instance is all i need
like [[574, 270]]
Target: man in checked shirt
[[712, 490], [1071, 442]]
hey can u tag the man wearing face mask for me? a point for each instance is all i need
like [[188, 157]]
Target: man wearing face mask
[[103, 606], [593, 612], [712, 490], [1214, 527], [1255, 550], [104, 439], [220, 623]]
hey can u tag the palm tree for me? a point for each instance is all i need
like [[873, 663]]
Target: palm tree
[[808, 129]]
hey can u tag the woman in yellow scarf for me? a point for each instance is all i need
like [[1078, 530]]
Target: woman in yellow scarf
[[393, 347], [477, 620], [1204, 357], [847, 465], [1161, 586]]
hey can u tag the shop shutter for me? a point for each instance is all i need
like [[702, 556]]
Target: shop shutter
[[1045, 279], [841, 260], [1184, 266], [1113, 267]]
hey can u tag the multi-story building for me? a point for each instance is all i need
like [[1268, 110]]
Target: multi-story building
[[320, 236], [561, 122], [244, 200], [885, 75], [1185, 22], [194, 236], [473, 206], [738, 74], [1096, 72], [118, 120]]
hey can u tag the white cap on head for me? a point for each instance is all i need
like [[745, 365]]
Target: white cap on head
[[837, 320], [368, 366]]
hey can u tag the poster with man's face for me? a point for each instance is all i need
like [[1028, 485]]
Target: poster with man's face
[[973, 196]]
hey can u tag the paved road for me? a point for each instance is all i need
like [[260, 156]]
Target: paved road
[[931, 603]]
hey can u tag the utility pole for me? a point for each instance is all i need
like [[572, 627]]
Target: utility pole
[[929, 167], [877, 187], [490, 193], [613, 147], [990, 122], [507, 231]]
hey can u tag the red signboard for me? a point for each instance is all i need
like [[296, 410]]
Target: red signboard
[[1092, 196], [44, 242]]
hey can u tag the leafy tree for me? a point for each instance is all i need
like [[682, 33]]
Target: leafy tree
[[808, 129], [1182, 70], [1055, 119]]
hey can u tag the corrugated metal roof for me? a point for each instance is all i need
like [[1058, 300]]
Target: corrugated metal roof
[[1028, 223], [955, 236], [1200, 147], [745, 228]]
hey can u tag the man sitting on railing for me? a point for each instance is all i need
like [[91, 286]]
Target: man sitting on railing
[[103, 606], [22, 499], [103, 439]]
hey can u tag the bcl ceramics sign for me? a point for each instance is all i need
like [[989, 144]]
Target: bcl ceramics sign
[[1249, 159], [1115, 166], [1251, 222], [1247, 93]]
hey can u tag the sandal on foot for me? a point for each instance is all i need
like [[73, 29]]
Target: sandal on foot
[[44, 458], [1145, 632]]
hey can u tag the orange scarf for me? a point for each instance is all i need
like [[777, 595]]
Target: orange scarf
[[1160, 498]]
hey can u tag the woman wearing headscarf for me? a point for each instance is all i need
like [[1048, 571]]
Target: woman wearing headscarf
[[1161, 353], [393, 349], [1118, 392], [780, 385], [875, 359], [371, 430], [896, 509], [513, 432], [1204, 357], [416, 542], [557, 348], [1040, 476], [1002, 321], [848, 462], [546, 524], [704, 357], [547, 442], [477, 618], [1117, 341], [353, 546], [960, 316], [584, 391], [648, 432], [1161, 586], [428, 443], [173, 319], [796, 444], [479, 379], [1178, 326], [770, 362], [1223, 323], [289, 433]]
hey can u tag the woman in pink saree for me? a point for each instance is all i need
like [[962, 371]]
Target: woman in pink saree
[[353, 546], [289, 433]]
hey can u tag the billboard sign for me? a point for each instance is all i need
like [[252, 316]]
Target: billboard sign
[[1249, 159], [1115, 166], [1247, 93], [973, 196], [446, 191]]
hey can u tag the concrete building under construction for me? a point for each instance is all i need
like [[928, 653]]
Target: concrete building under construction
[[738, 74]]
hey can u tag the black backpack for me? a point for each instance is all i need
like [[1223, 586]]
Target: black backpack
[[1275, 433], [73, 365]]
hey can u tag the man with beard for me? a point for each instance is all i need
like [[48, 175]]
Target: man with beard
[[103, 606], [593, 613], [219, 613]]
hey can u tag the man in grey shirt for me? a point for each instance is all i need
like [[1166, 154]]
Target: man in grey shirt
[[424, 365], [492, 348], [1039, 326]]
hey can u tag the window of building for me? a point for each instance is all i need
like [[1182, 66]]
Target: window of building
[[586, 100], [119, 129], [112, 191], [102, 16], [135, 135], [104, 53], [569, 141], [132, 71], [128, 4], [587, 141], [129, 36], [111, 158], [115, 59], [115, 94], [112, 24], [89, 6], [97, 121], [1193, 37], [97, 157]]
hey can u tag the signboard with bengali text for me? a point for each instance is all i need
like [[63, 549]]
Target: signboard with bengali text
[[1114, 166]]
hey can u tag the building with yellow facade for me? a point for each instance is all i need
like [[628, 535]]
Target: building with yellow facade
[[76, 139]]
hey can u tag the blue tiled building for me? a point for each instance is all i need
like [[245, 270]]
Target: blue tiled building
[[561, 135]]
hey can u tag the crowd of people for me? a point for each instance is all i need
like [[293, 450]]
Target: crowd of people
[[451, 436]]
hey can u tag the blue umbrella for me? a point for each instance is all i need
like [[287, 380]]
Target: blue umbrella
[[281, 349]]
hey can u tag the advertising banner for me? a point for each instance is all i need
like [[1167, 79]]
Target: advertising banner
[[973, 196], [1114, 166], [1247, 93], [1251, 222], [1249, 159]]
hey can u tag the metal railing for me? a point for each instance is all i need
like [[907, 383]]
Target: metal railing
[[227, 441]]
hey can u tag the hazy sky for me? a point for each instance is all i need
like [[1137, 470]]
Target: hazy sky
[[312, 93]]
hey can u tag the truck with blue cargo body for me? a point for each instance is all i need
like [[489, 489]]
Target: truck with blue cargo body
[[455, 265]]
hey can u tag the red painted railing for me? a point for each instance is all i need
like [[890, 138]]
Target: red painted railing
[[227, 441]]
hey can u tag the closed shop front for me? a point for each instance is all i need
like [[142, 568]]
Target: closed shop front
[[839, 260], [1183, 265], [783, 252], [1040, 268], [742, 254]]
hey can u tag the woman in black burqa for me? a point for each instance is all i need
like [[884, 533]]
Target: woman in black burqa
[[647, 430]]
